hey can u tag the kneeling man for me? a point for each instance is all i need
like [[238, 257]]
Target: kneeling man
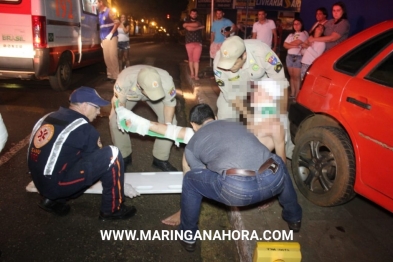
[[237, 172]]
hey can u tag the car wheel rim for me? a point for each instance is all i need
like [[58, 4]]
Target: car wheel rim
[[317, 167], [65, 73]]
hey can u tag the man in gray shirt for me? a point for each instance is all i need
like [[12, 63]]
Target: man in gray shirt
[[239, 172]]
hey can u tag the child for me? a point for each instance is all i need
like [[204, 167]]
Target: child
[[313, 50]]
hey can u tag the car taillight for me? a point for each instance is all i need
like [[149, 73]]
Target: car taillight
[[39, 31]]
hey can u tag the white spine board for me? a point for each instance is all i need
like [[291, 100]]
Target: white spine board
[[144, 183]]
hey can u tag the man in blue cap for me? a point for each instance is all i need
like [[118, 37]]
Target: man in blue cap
[[66, 157]]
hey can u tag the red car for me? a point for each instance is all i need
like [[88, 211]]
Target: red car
[[342, 122]]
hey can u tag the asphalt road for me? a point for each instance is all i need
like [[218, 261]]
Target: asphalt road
[[29, 234]]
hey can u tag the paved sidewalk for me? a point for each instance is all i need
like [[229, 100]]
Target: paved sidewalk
[[356, 231]]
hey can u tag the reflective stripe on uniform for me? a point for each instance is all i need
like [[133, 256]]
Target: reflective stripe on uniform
[[107, 25], [58, 145]]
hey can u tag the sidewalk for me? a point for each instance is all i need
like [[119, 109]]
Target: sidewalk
[[356, 231]]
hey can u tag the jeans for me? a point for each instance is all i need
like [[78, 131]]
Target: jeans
[[303, 70], [294, 61], [237, 191]]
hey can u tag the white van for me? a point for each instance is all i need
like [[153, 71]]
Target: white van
[[46, 39]]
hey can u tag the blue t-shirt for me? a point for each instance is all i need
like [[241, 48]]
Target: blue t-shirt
[[216, 29]]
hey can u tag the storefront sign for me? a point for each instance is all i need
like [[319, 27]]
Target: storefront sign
[[224, 4], [241, 4], [278, 5]]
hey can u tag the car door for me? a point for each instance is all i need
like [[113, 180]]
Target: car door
[[367, 106]]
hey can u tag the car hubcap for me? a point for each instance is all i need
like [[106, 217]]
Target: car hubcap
[[65, 73], [317, 167]]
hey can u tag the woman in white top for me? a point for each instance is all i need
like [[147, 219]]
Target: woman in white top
[[293, 62], [313, 50], [123, 44]]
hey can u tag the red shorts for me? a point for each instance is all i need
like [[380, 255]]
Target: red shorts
[[194, 51]]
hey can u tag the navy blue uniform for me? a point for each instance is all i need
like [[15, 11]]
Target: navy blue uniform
[[65, 157]]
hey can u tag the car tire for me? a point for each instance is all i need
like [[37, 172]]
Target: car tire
[[323, 166], [62, 79]]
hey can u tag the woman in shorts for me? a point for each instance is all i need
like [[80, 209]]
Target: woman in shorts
[[294, 57], [123, 44]]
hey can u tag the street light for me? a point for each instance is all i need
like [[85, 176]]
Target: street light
[[114, 10]]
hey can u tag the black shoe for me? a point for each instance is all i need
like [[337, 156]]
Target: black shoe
[[163, 165], [187, 246], [127, 160], [125, 212], [295, 226], [60, 209]]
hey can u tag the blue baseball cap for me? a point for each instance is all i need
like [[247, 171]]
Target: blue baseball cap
[[86, 94]]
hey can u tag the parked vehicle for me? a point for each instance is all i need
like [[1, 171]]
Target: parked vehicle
[[342, 123], [47, 39], [3, 134]]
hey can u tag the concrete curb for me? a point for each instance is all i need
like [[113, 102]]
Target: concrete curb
[[243, 246], [200, 89], [206, 91]]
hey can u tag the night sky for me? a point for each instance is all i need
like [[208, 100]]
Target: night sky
[[149, 9]]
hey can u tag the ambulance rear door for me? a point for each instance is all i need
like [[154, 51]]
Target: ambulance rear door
[[16, 41], [63, 30], [91, 42]]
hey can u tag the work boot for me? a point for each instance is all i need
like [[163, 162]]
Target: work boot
[[127, 160], [295, 226], [190, 247], [125, 212], [57, 208], [163, 165]]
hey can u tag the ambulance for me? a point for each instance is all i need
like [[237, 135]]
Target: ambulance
[[46, 39]]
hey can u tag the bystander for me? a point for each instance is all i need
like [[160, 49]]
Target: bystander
[[218, 32], [108, 34], [265, 30]]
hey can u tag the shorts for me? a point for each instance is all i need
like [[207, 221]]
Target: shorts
[[294, 61], [194, 51], [123, 45], [214, 48]]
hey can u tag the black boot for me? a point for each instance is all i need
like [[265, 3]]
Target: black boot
[[127, 160], [163, 165], [125, 212], [58, 208]]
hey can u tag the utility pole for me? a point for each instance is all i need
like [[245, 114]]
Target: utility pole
[[211, 24]]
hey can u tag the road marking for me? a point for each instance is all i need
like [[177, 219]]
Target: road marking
[[30, 109], [15, 149]]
